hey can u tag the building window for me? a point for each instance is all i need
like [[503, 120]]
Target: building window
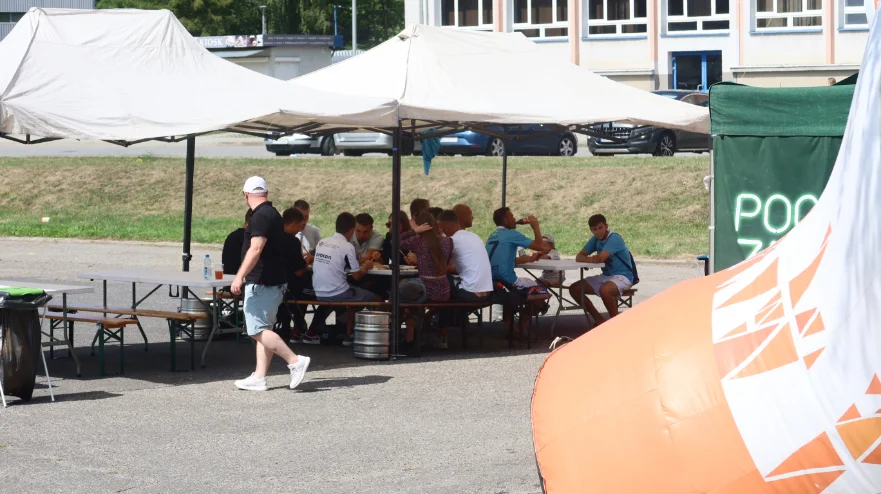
[[854, 14], [788, 14], [541, 18], [697, 15], [466, 13], [616, 17], [11, 16]]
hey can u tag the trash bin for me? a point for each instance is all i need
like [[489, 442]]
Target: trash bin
[[20, 339]]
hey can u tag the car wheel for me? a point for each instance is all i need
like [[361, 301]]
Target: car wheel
[[328, 148], [282, 153], [496, 147], [567, 146], [353, 153], [666, 145]]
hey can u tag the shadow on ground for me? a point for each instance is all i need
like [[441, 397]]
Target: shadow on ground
[[229, 359]]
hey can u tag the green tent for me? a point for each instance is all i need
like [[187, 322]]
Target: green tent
[[773, 151]]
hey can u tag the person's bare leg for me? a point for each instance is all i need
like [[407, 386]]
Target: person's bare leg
[[609, 294], [579, 292], [271, 343], [264, 356]]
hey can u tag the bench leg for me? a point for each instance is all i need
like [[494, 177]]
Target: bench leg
[[121, 334], [417, 335], [192, 327], [100, 336], [464, 321], [172, 348], [143, 334], [93, 344]]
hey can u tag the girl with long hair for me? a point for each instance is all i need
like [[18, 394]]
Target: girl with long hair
[[433, 253]]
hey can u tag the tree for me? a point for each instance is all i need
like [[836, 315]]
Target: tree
[[378, 20]]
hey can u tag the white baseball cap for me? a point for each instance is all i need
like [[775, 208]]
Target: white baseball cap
[[549, 238], [255, 185]]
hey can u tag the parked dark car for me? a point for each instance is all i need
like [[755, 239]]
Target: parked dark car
[[653, 140], [533, 140]]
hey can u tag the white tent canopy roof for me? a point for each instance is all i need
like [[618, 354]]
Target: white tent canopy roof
[[130, 75], [447, 75]]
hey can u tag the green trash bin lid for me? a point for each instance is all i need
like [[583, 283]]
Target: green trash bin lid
[[19, 292]]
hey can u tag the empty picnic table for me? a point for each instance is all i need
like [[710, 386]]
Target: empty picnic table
[[186, 281]]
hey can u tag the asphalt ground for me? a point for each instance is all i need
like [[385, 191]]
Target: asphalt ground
[[452, 421]]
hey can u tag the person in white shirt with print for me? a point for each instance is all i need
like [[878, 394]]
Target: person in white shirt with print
[[335, 257]]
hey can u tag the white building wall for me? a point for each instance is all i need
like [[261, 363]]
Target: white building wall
[[761, 58]]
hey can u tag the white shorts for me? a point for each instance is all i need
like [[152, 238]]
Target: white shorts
[[596, 282]]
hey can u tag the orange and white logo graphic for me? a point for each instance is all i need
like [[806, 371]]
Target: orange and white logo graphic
[[771, 341]]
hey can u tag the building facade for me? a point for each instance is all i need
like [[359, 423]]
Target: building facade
[[283, 56], [13, 10], [678, 44]]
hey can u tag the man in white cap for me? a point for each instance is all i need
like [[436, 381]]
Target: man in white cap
[[262, 278]]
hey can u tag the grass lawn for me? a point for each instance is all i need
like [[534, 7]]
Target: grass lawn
[[659, 205]]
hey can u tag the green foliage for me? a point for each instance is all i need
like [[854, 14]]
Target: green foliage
[[378, 20]]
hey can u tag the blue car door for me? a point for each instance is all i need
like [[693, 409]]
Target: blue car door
[[536, 139]]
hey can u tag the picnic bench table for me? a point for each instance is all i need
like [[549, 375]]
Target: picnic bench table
[[560, 266], [185, 281], [64, 291]]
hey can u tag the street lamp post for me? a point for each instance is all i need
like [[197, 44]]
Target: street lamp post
[[263, 15]]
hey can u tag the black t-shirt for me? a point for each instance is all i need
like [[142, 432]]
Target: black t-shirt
[[294, 256], [232, 251], [387, 251], [271, 268]]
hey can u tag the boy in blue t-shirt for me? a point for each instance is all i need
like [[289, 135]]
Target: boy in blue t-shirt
[[617, 273], [502, 247]]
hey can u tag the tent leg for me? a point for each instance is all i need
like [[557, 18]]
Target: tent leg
[[505, 174], [712, 249], [396, 243], [188, 202]]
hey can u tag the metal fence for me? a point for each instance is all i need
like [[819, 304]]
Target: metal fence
[[340, 55]]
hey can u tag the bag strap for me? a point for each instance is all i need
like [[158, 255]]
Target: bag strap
[[626, 264]]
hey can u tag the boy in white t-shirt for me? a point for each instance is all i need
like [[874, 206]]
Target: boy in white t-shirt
[[552, 278]]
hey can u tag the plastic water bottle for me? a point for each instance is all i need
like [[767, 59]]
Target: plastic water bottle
[[207, 269]]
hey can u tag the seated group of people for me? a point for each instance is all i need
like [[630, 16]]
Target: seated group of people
[[452, 263]]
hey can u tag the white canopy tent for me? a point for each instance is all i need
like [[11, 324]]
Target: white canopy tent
[[133, 75], [472, 78]]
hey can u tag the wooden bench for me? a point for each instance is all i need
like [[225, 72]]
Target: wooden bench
[[177, 322], [455, 305], [626, 298], [108, 329]]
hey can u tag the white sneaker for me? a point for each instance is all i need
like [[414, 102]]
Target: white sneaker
[[298, 370], [252, 383]]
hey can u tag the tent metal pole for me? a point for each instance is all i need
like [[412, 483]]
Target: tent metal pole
[[188, 202], [396, 242], [712, 210], [504, 173]]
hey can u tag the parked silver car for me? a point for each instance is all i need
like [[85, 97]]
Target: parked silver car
[[301, 144], [359, 143]]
